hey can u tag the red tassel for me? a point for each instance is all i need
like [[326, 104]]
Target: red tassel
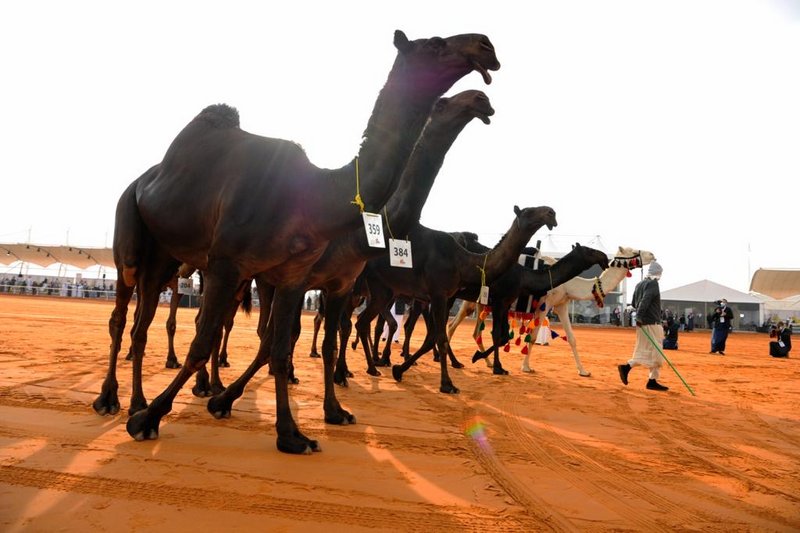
[[521, 329], [536, 322], [507, 348], [564, 338], [479, 340], [628, 274], [525, 350], [518, 341]]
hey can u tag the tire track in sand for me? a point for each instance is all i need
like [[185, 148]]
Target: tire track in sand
[[427, 518], [605, 486]]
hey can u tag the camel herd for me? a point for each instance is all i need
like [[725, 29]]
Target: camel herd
[[242, 208]]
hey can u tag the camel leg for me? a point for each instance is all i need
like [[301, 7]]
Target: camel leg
[[317, 325], [386, 355], [561, 310], [377, 335], [526, 367], [159, 271], [334, 320], [414, 310], [172, 359], [221, 284], [464, 311], [107, 403]]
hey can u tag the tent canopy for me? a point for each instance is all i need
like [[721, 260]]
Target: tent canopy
[[45, 256], [707, 291], [775, 282]]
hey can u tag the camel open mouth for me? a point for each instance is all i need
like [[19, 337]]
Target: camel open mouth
[[551, 226], [487, 78]]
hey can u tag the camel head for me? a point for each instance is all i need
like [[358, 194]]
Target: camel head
[[435, 64], [632, 258], [533, 218], [471, 104]]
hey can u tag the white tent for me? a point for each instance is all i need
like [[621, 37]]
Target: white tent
[[44, 255], [701, 295]]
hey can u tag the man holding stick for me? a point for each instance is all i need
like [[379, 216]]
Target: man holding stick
[[649, 331]]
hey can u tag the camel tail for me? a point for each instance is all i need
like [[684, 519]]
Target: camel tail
[[129, 235], [247, 301]]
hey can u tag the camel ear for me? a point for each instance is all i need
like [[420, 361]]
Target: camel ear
[[620, 250], [517, 210], [401, 41]]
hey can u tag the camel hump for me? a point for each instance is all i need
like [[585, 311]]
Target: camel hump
[[221, 116]]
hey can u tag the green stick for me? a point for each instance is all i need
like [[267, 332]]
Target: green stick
[[646, 334]]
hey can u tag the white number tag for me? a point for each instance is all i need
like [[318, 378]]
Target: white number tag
[[483, 299], [400, 253], [781, 344], [373, 225], [722, 320], [185, 285]]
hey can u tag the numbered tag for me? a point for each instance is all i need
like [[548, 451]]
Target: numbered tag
[[400, 253], [483, 299], [185, 285], [722, 320], [781, 344], [373, 225]]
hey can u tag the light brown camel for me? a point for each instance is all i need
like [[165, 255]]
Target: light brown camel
[[240, 207]]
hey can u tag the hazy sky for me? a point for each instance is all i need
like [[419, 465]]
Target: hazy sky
[[667, 126]]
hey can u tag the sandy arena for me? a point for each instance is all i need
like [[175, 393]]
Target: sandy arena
[[558, 452]]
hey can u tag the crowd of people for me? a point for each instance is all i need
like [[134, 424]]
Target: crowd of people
[[64, 287]]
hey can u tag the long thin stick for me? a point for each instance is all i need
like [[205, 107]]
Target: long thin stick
[[646, 334]]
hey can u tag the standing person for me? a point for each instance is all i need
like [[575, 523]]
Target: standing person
[[721, 322], [781, 341], [647, 303]]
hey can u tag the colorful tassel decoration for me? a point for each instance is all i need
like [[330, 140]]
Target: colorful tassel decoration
[[479, 340], [543, 306], [525, 350], [536, 322], [628, 274], [555, 335], [528, 338], [507, 348], [564, 338], [546, 322], [522, 330], [518, 341], [482, 326]]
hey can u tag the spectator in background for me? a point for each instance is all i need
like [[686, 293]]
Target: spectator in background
[[671, 329], [721, 322], [781, 340]]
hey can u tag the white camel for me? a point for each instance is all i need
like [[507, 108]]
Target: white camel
[[576, 289]]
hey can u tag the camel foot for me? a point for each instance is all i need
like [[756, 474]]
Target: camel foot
[[172, 362], [449, 388], [142, 426], [354, 345], [455, 363], [397, 373], [223, 363], [340, 378], [528, 370], [383, 361], [220, 406], [435, 358], [107, 403], [373, 372], [314, 354], [499, 371], [339, 417], [129, 357], [584, 374], [478, 356], [297, 443]]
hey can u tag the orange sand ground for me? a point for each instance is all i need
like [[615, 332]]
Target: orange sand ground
[[561, 452]]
